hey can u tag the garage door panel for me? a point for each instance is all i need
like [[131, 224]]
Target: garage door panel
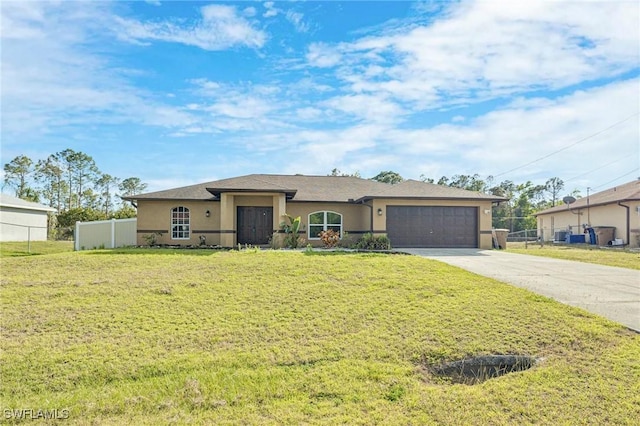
[[432, 226]]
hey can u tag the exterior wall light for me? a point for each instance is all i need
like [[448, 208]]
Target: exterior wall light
[[207, 213], [487, 211], [379, 212]]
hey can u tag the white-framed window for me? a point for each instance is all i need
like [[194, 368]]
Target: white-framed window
[[323, 221], [180, 223]]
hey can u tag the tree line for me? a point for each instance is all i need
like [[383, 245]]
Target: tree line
[[71, 182], [523, 199]]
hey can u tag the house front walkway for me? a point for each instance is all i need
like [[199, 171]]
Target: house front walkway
[[611, 292]]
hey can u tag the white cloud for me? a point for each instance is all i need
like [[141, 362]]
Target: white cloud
[[296, 19], [323, 56], [494, 142], [270, 10], [308, 113], [249, 11], [521, 132], [371, 108], [51, 80], [220, 28], [482, 50]]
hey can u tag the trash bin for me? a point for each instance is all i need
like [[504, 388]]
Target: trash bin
[[575, 239], [604, 234], [500, 241], [592, 235]]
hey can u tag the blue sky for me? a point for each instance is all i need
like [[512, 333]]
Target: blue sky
[[185, 92]]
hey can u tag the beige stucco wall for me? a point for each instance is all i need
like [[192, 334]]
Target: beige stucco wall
[[355, 217], [155, 216], [607, 215]]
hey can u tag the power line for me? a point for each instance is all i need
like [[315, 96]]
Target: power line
[[569, 146], [596, 169], [619, 177]]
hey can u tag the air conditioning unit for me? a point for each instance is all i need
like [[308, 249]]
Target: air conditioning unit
[[560, 236]]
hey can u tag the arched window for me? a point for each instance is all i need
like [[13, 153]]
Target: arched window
[[180, 223], [323, 221]]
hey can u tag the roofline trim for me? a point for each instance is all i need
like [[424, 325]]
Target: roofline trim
[[18, 206], [289, 193], [400, 197], [137, 199], [615, 202]]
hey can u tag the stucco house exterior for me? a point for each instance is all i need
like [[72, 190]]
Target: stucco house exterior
[[249, 210], [617, 207], [22, 220]]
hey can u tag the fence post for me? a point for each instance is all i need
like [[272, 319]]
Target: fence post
[[76, 236], [113, 233], [28, 239], [526, 238]]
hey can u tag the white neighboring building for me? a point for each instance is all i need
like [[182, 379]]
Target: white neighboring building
[[22, 220]]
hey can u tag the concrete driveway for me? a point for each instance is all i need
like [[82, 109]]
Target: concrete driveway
[[611, 292]]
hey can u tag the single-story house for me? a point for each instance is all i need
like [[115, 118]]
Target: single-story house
[[22, 220], [249, 210], [614, 212]]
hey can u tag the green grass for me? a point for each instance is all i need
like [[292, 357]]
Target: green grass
[[10, 249], [176, 337], [589, 254]]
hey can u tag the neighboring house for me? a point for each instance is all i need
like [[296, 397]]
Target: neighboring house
[[617, 207], [249, 210], [22, 220]]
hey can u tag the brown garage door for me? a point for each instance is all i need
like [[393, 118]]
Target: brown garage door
[[439, 227]]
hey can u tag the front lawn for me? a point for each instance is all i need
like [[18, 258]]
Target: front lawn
[[24, 248], [176, 337], [589, 254]]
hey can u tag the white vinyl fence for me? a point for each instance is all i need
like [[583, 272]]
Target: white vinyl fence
[[105, 234]]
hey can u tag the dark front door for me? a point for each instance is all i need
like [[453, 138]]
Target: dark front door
[[432, 226], [255, 225]]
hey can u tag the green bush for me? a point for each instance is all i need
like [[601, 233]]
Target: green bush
[[373, 242], [292, 239]]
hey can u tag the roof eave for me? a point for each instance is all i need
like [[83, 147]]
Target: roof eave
[[557, 209], [400, 197], [289, 193], [137, 199], [38, 209]]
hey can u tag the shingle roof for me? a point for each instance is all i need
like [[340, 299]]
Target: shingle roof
[[9, 201], [415, 189], [627, 192], [315, 188]]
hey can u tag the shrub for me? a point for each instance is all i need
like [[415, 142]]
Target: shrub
[[152, 238], [292, 239], [373, 242], [330, 238]]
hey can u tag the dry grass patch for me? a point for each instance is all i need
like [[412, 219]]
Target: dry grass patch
[[161, 337]]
